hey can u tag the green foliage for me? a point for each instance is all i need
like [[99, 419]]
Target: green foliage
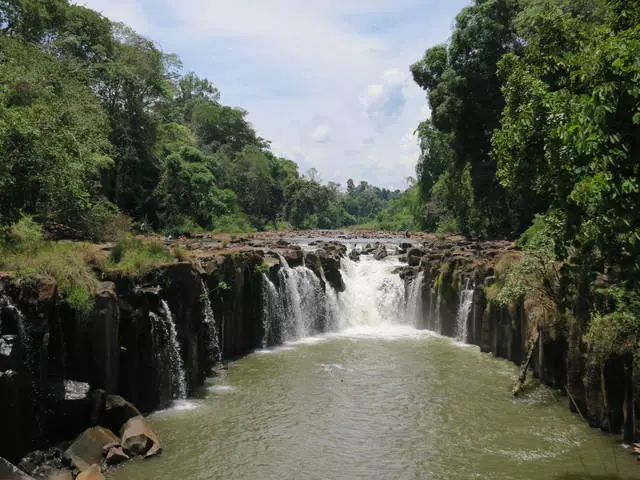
[[455, 172], [135, 257], [263, 267], [66, 263], [615, 329]]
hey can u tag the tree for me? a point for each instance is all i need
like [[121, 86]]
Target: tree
[[466, 103]]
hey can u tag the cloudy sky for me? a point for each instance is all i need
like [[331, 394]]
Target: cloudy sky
[[327, 82]]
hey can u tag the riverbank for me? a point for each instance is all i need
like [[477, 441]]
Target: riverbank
[[154, 334]]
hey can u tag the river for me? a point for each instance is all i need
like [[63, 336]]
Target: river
[[377, 399]]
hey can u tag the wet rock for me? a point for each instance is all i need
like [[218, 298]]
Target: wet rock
[[69, 404], [92, 473], [138, 439], [8, 471], [89, 448], [293, 256], [414, 257], [380, 252], [45, 464], [117, 412], [116, 455], [354, 255]]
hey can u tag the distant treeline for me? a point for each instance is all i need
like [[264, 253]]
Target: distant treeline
[[99, 126]]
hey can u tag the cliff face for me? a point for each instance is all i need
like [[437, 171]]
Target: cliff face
[[603, 392], [54, 362], [52, 358]]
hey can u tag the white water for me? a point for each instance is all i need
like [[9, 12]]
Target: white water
[[414, 300], [374, 295], [300, 305], [23, 334], [214, 350], [165, 326], [464, 309]]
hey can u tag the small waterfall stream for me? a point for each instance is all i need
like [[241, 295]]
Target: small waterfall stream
[[167, 349], [464, 309], [214, 350], [414, 300]]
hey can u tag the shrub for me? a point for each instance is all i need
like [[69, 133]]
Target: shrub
[[66, 263], [133, 256]]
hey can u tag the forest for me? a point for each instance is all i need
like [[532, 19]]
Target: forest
[[533, 135], [100, 130]]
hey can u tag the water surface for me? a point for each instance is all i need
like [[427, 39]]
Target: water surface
[[375, 403]]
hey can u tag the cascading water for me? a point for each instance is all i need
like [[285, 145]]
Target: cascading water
[[464, 309], [414, 300], [374, 293], [214, 350], [23, 335], [302, 305], [272, 312], [167, 349]]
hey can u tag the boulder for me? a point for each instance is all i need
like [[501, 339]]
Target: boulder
[[380, 252], [414, 256], [139, 439], [354, 255], [92, 473], [117, 412], [8, 471], [116, 455], [90, 447]]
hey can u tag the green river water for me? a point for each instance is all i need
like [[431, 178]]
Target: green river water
[[376, 404]]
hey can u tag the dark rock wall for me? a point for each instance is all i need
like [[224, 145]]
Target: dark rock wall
[[43, 399], [606, 395]]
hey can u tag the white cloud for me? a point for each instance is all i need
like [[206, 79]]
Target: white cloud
[[384, 102], [321, 133], [308, 72]]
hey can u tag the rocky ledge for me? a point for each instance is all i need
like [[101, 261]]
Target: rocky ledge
[[62, 370]]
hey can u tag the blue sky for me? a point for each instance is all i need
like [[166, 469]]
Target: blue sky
[[327, 82]]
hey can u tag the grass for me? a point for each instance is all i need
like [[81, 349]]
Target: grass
[[66, 263], [134, 257]]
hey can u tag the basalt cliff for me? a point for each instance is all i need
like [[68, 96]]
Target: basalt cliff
[[152, 339]]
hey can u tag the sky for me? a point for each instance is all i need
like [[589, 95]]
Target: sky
[[327, 82]]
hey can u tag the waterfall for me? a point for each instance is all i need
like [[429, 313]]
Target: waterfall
[[464, 309], [437, 319], [374, 293], [272, 312], [414, 300], [167, 349], [298, 305], [213, 348], [23, 335]]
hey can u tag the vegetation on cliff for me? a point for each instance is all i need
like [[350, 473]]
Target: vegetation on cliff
[[534, 132]]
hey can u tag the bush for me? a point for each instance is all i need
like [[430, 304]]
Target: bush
[[66, 263], [25, 235], [236, 223], [133, 256], [104, 222]]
